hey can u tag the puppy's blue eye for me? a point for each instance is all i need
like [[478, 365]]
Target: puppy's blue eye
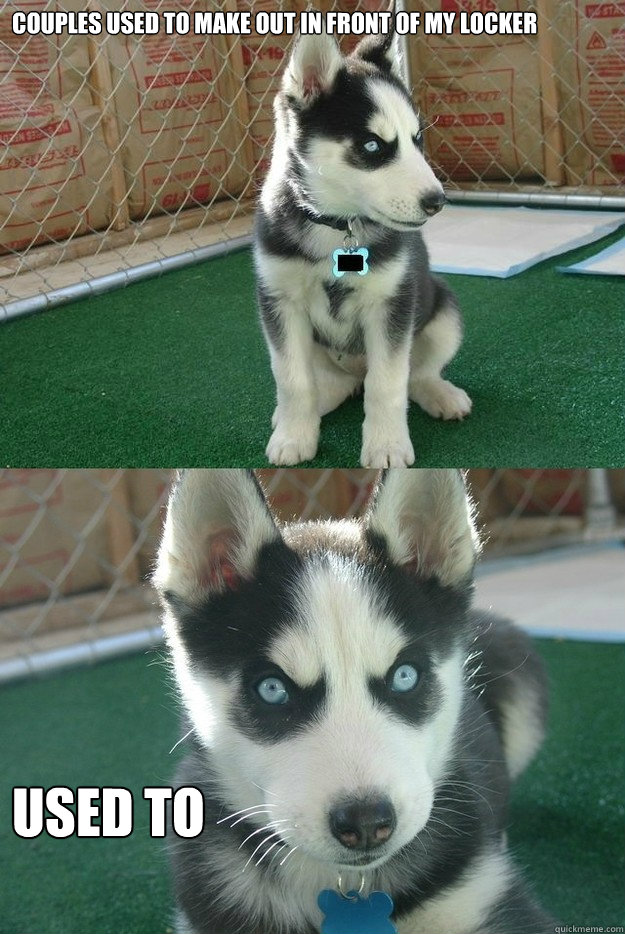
[[405, 679], [418, 138], [272, 691], [371, 145]]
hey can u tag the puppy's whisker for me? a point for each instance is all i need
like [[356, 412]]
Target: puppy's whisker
[[250, 807], [283, 861], [428, 125], [265, 790], [422, 842], [268, 851], [440, 808], [186, 736], [253, 807], [260, 845], [457, 830], [249, 812], [278, 851], [262, 830], [246, 816]]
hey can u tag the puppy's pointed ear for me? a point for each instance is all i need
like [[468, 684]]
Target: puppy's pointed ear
[[425, 518], [312, 68], [217, 522], [380, 50]]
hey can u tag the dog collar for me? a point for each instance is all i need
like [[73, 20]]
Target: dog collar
[[325, 220]]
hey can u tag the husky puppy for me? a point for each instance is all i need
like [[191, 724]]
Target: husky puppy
[[348, 161], [349, 714]]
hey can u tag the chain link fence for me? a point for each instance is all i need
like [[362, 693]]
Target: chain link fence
[[123, 156], [77, 546]]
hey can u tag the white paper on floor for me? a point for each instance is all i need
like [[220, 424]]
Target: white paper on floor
[[493, 241], [609, 262]]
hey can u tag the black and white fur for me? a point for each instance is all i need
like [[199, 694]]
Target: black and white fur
[[396, 328], [331, 609]]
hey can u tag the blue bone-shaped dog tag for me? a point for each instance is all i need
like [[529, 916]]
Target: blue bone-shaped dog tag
[[350, 260], [353, 914]]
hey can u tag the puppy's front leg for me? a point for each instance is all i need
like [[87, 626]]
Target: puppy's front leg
[[296, 418], [385, 438]]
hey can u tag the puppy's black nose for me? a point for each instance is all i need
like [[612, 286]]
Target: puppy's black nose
[[432, 202], [363, 825]]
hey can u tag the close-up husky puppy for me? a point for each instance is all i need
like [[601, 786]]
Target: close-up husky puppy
[[348, 170], [354, 725]]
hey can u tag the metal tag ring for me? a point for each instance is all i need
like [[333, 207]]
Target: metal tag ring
[[350, 242], [339, 885]]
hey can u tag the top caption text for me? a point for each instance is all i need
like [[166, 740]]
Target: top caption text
[[275, 23]]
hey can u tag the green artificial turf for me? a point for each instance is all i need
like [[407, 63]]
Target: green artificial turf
[[173, 372], [115, 724]]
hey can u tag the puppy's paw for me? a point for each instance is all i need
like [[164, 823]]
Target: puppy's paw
[[440, 398], [381, 450], [288, 446]]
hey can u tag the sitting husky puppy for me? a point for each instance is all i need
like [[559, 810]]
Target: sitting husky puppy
[[355, 727], [347, 169]]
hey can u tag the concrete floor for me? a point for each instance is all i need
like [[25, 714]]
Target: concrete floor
[[577, 593]]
